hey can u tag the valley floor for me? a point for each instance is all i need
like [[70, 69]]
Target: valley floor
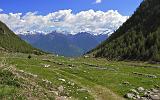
[[59, 78]]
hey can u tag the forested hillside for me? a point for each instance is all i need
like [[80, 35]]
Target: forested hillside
[[138, 38], [12, 43]]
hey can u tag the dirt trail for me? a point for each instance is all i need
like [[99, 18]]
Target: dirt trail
[[97, 91]]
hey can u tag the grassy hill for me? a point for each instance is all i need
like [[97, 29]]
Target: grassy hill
[[138, 38], [12, 43]]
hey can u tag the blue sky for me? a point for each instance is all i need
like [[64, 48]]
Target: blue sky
[[66, 16], [125, 7]]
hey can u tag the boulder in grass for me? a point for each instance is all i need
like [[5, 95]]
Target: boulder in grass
[[151, 76], [60, 88], [62, 79], [46, 66], [154, 90], [143, 98], [86, 56], [155, 97], [130, 96], [157, 86], [125, 83], [138, 97], [141, 89], [134, 91], [47, 60], [59, 64], [70, 65]]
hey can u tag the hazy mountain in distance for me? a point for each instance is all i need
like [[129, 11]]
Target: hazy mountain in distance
[[64, 44]]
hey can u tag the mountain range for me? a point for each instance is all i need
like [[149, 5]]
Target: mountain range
[[137, 39], [64, 44]]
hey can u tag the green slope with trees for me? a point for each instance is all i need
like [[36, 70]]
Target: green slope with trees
[[12, 43], [137, 39]]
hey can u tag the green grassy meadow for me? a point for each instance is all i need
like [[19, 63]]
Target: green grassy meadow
[[72, 78]]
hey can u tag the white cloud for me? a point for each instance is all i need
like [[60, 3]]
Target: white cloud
[[96, 22], [1, 10], [98, 1]]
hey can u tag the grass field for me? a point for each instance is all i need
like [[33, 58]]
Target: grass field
[[72, 78]]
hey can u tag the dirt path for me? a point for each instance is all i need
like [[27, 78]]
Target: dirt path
[[97, 91]]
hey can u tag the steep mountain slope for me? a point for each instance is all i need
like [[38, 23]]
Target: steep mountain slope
[[67, 45], [12, 43], [87, 41], [138, 38]]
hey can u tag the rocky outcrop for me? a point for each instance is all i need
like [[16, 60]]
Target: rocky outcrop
[[143, 94]]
